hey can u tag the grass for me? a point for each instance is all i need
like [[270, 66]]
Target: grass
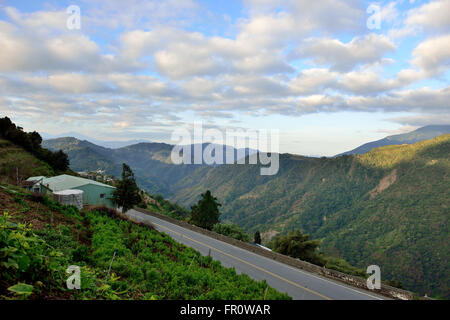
[[118, 259], [13, 157]]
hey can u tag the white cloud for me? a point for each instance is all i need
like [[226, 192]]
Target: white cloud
[[22, 51], [346, 56], [389, 12], [366, 82], [431, 16], [39, 21], [433, 55], [67, 83], [426, 100], [324, 15], [313, 80], [150, 76], [422, 120], [132, 14]]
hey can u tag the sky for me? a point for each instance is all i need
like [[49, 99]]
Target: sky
[[329, 75]]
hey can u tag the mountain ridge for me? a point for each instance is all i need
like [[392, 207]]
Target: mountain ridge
[[388, 206], [423, 133], [151, 161]]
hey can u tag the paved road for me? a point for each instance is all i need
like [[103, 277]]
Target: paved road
[[297, 283]]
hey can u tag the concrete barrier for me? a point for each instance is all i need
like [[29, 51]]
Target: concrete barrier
[[355, 281]]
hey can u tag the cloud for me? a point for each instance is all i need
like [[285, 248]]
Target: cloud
[[23, 51], [132, 14], [346, 56], [422, 120], [325, 15], [313, 80], [72, 83], [283, 57], [433, 55], [39, 21], [366, 82], [423, 100], [431, 16]]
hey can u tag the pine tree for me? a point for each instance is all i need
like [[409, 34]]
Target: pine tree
[[126, 194], [205, 213]]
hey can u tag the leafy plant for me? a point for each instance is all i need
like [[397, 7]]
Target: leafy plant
[[21, 289]]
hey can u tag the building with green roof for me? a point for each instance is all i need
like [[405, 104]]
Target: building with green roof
[[94, 193]]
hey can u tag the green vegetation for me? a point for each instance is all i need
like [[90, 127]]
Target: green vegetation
[[388, 207], [127, 194], [205, 213], [299, 246], [159, 205], [18, 164], [151, 162], [31, 142], [118, 259], [232, 231]]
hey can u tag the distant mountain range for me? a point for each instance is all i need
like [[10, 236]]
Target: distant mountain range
[[420, 134], [101, 143], [151, 162], [388, 207]]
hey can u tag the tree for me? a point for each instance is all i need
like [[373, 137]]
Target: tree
[[257, 237], [205, 213], [297, 245], [31, 142], [126, 194], [60, 160], [232, 231]]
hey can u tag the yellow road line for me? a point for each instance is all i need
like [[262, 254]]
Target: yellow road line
[[246, 262]]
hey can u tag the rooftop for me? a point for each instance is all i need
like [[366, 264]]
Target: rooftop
[[36, 179], [65, 182]]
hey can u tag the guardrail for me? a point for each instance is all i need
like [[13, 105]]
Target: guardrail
[[355, 281]]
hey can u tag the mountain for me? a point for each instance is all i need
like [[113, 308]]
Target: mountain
[[388, 207], [40, 238], [105, 144], [151, 162], [420, 134]]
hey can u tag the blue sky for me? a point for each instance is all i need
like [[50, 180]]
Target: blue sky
[[313, 70]]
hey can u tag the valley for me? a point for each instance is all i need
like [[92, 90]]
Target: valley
[[388, 207]]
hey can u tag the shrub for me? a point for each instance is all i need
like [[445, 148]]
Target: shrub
[[232, 231]]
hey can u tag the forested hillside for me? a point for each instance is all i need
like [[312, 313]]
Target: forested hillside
[[388, 207], [150, 161], [119, 259]]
